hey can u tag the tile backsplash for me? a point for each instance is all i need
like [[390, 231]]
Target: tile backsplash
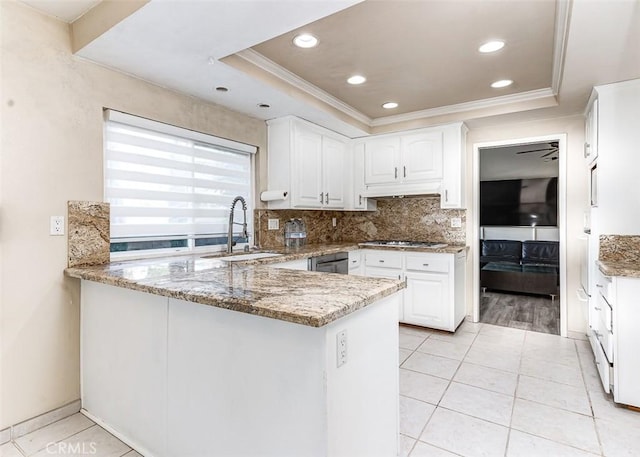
[[409, 218]]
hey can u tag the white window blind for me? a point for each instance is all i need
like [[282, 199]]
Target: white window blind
[[176, 185]]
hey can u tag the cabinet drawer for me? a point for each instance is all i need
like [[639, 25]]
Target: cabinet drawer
[[604, 312], [435, 263], [355, 259], [383, 259], [603, 367], [604, 286]]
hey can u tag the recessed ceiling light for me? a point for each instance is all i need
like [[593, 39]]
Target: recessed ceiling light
[[356, 79], [389, 105], [491, 46], [263, 105], [305, 40], [222, 89], [501, 83]]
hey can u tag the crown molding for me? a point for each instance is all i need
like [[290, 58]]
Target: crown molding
[[285, 75], [561, 34], [521, 97]]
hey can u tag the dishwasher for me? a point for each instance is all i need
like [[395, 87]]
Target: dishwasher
[[330, 263]]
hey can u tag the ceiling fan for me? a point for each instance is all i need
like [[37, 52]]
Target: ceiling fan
[[550, 150]]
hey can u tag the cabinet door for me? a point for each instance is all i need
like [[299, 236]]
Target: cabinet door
[[389, 273], [333, 167], [421, 157], [359, 202], [427, 301], [591, 133], [307, 164], [381, 160]]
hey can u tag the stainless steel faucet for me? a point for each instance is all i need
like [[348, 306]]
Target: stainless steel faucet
[[230, 242]]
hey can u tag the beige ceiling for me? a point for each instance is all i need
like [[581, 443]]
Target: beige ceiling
[[423, 54]]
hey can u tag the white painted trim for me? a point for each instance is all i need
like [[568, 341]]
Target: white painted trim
[[294, 80], [466, 106], [285, 75], [561, 138], [561, 34]]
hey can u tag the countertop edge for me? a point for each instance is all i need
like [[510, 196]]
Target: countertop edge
[[623, 269]]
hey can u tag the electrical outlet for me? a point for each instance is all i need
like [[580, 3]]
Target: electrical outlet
[[341, 347], [333, 221], [274, 224], [56, 226], [456, 222]]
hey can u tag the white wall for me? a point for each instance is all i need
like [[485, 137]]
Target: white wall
[[577, 189], [52, 152]]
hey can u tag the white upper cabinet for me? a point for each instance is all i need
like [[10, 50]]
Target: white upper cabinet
[[421, 157], [321, 169], [591, 130], [309, 162], [426, 161], [452, 191], [381, 160]]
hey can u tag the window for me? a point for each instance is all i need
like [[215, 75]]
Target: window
[[171, 188]]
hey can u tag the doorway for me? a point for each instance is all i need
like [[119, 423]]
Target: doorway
[[519, 233]]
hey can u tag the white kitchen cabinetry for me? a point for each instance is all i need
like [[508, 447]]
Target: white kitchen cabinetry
[[307, 161], [425, 161], [591, 131], [356, 266], [614, 337], [358, 190], [435, 295], [454, 162]]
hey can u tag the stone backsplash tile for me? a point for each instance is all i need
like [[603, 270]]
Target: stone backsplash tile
[[620, 248], [88, 233], [410, 218]]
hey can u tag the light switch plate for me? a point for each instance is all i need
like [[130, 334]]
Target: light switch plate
[[274, 224], [456, 222]]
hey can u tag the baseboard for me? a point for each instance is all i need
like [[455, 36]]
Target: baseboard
[[5, 435], [30, 425]]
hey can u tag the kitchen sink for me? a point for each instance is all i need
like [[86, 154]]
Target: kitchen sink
[[250, 256]]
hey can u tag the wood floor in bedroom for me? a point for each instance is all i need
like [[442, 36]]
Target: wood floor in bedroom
[[526, 312]]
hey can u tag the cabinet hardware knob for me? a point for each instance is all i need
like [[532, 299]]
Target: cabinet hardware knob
[[446, 195], [425, 264], [360, 199], [326, 198], [597, 309], [404, 171], [395, 172], [399, 277], [321, 197], [381, 261], [600, 286]]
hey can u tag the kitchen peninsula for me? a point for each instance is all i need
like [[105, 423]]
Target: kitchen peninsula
[[249, 358]]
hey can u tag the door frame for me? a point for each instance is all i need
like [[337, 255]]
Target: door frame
[[561, 138]]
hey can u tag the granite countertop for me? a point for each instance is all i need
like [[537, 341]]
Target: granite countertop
[[449, 249], [302, 297], [253, 286], [620, 268]]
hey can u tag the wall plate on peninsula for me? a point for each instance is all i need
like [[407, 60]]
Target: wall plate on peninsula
[[273, 224]]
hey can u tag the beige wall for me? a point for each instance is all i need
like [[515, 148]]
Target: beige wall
[[52, 152], [576, 182]]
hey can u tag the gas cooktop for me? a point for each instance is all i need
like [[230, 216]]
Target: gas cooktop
[[405, 244]]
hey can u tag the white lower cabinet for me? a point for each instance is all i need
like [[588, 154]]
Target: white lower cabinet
[[614, 316], [426, 300], [435, 295]]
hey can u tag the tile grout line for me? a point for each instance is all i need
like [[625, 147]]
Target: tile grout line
[[443, 394]]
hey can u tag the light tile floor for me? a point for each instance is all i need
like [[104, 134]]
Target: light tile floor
[[497, 391], [483, 391]]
